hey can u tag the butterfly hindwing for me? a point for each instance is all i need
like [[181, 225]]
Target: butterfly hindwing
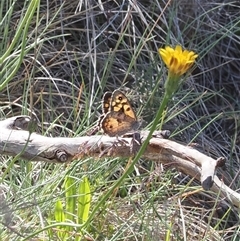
[[106, 102]]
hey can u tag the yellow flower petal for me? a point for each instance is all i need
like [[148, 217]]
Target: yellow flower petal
[[177, 60]]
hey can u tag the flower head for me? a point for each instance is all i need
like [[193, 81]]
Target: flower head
[[178, 61]]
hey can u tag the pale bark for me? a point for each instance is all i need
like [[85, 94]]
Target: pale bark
[[15, 139]]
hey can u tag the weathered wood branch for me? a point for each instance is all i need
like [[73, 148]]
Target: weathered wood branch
[[15, 139]]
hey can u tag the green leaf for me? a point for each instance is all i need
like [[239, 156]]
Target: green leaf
[[59, 213], [70, 194], [83, 201], [60, 217]]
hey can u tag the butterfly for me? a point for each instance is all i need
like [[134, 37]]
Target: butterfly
[[118, 115]]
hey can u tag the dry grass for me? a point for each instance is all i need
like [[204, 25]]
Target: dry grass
[[93, 46]]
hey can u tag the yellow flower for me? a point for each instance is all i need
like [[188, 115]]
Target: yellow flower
[[177, 60]]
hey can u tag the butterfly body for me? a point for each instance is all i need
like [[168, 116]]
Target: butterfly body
[[119, 117]]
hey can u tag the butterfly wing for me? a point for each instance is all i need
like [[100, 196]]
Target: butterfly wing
[[121, 117], [106, 102], [119, 102], [117, 123]]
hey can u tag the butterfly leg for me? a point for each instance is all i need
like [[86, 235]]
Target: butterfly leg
[[93, 131], [135, 143]]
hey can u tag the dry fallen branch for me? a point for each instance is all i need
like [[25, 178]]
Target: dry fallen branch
[[15, 139]]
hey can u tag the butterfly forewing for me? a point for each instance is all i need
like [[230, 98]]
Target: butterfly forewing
[[119, 102], [120, 117]]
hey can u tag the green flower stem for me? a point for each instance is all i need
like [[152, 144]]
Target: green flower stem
[[137, 157], [153, 128]]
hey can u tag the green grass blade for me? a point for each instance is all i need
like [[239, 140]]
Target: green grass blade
[[21, 31]]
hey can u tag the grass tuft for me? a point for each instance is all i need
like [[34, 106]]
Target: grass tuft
[[57, 66]]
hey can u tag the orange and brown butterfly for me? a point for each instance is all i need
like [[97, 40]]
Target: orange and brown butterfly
[[118, 115]]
